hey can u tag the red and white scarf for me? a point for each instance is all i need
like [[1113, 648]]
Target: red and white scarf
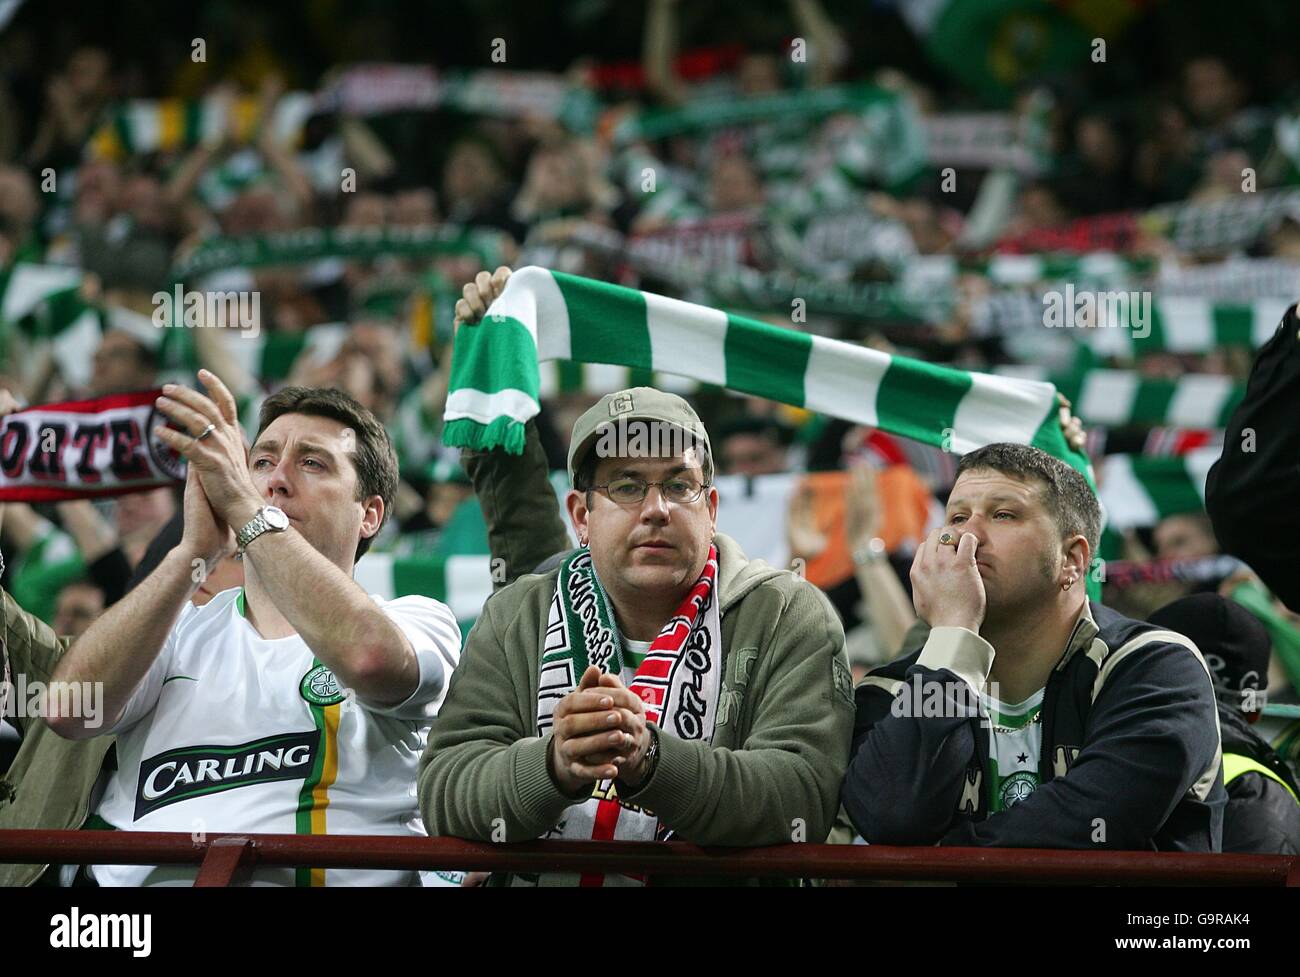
[[85, 448], [679, 681]]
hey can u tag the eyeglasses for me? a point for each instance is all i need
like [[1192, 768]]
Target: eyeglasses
[[679, 490]]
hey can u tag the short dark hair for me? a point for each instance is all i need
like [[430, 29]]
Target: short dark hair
[[584, 476], [1067, 496], [375, 460]]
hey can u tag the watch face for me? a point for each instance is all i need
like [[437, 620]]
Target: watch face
[[275, 518]]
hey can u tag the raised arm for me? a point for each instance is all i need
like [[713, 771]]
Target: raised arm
[[119, 648], [909, 767], [829, 50], [660, 51], [519, 507], [344, 628]]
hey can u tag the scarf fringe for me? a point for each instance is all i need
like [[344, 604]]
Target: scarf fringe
[[503, 432]]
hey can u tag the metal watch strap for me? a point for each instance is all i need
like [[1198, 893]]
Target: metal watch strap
[[252, 529], [257, 526]]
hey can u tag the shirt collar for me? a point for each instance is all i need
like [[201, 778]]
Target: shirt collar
[[1085, 629]]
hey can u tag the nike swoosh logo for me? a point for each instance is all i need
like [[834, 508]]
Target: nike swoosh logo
[[175, 677]]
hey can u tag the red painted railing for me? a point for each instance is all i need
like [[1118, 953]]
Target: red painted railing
[[226, 858]]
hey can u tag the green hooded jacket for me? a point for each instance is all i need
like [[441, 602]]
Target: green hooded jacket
[[50, 782], [780, 748]]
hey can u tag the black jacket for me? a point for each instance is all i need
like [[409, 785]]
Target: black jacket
[[1262, 816], [1253, 491], [1130, 753]]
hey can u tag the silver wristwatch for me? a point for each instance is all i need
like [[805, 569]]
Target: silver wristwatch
[[269, 519]]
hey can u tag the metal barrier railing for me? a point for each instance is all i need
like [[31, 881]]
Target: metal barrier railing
[[226, 858]]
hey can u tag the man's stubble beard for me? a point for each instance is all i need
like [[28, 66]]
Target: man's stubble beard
[[1039, 590]]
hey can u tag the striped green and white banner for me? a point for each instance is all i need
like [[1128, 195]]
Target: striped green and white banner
[[462, 582], [1179, 324], [141, 126], [543, 315], [45, 303], [45, 297], [1009, 270], [267, 355], [598, 379], [1114, 398], [1110, 398], [310, 244], [1137, 490], [1225, 224]]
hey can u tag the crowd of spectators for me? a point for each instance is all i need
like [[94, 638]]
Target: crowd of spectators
[[676, 214]]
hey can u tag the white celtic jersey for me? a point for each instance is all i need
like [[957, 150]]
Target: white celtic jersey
[[1015, 741], [230, 731]]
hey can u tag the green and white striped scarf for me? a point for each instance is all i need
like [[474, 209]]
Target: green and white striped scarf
[[703, 114], [140, 126], [44, 299], [462, 581], [1029, 269], [1138, 490], [1183, 324], [986, 140], [317, 243], [1100, 397], [1234, 280], [545, 315], [886, 145], [1114, 398], [1223, 225], [44, 303], [752, 288]]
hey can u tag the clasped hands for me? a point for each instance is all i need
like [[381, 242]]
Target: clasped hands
[[600, 733], [218, 480]]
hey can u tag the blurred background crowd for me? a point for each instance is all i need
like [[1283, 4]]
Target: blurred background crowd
[[916, 176]]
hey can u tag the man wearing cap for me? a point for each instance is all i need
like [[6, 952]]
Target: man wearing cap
[[1263, 812], [656, 683]]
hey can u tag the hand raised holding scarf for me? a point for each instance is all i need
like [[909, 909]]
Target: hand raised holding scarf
[[479, 294]]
